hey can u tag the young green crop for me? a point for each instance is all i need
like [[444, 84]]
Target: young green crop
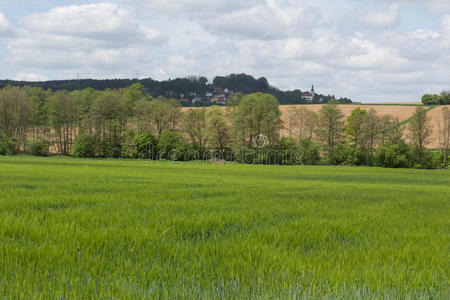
[[102, 229]]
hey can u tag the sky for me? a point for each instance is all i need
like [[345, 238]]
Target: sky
[[367, 50]]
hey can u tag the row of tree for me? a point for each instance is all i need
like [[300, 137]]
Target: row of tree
[[129, 123], [437, 99], [195, 85]]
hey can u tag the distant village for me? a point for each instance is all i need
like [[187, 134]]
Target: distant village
[[221, 96], [193, 90]]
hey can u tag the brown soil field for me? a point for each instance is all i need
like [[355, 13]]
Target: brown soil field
[[402, 112], [435, 118]]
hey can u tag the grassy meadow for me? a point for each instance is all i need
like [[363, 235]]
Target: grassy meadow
[[109, 229]]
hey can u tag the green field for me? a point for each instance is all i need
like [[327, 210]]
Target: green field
[[108, 229]]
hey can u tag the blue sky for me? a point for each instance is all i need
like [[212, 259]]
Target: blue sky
[[385, 50]]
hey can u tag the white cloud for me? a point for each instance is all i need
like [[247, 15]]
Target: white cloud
[[102, 21], [5, 26], [192, 7], [96, 39], [438, 7], [322, 47], [445, 22], [368, 55], [265, 22], [381, 19]]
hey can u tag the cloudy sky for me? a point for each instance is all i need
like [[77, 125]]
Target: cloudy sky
[[368, 50]]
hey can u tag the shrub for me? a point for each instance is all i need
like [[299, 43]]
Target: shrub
[[425, 160], [394, 156], [243, 154], [267, 156], [146, 146], [113, 149], [85, 146], [39, 148], [308, 152], [348, 155], [6, 146], [172, 146]]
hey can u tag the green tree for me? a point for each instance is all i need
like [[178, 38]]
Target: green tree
[[85, 146], [194, 124], [257, 114], [420, 130], [63, 114], [301, 123], [171, 145], [15, 115], [164, 115], [109, 114], [354, 126], [143, 116], [391, 130], [146, 146], [370, 136], [84, 99], [217, 129], [430, 99], [444, 136], [331, 126]]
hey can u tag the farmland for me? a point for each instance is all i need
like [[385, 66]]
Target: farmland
[[73, 228], [402, 111], [397, 110]]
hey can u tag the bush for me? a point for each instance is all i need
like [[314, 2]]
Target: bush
[[146, 146], [6, 146], [243, 154], [267, 156], [348, 155], [85, 146], [394, 156], [173, 147], [39, 148], [308, 152], [113, 149], [426, 160]]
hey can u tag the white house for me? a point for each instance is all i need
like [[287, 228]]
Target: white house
[[309, 96]]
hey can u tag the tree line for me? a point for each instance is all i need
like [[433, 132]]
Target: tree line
[[129, 123], [437, 99], [196, 85]]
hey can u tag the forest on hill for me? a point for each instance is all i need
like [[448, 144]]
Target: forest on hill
[[188, 88]]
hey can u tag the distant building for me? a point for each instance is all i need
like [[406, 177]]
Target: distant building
[[195, 100], [217, 89], [309, 96], [220, 99]]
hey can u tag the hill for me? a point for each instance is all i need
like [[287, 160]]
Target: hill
[[188, 88]]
